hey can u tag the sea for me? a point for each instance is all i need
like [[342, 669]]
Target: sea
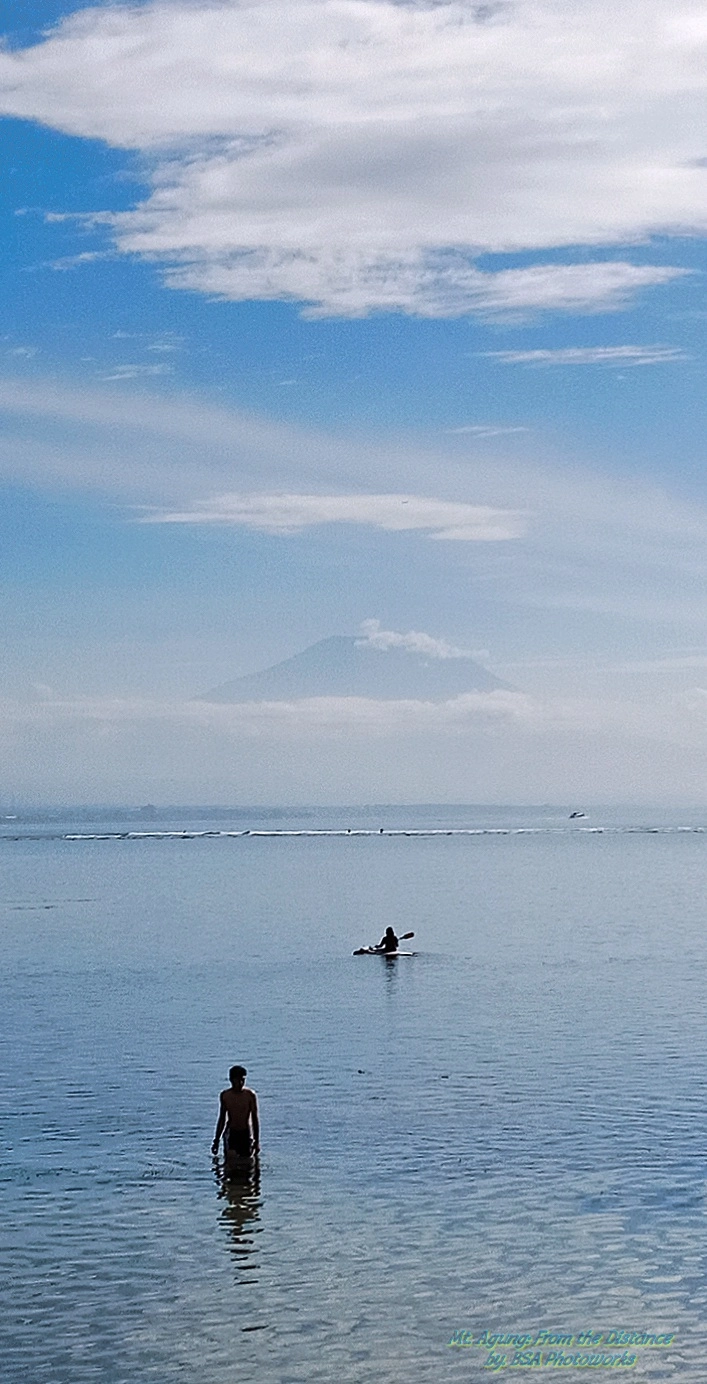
[[485, 1159]]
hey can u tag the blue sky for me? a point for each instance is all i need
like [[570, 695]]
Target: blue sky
[[337, 253]]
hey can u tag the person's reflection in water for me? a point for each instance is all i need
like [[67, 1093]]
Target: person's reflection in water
[[239, 1186], [390, 966]]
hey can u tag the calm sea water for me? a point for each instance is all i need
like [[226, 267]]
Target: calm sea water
[[505, 1132]]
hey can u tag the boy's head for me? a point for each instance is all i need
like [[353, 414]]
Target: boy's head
[[237, 1075]]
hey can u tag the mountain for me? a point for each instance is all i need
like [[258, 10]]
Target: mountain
[[348, 666]]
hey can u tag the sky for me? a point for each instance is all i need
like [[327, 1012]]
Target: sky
[[319, 313]]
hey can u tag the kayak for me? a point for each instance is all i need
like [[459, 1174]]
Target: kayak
[[376, 951]]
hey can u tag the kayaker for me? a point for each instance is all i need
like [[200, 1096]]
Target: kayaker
[[388, 943], [238, 1115]]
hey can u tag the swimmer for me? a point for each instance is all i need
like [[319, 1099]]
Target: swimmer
[[238, 1116]]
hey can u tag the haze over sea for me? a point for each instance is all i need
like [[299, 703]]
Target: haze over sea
[[505, 1132]]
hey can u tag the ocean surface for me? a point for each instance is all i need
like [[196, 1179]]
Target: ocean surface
[[505, 1133]]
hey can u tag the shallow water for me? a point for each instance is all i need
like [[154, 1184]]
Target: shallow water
[[504, 1132]]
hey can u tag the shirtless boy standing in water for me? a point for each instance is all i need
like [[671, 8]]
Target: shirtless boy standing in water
[[238, 1115]]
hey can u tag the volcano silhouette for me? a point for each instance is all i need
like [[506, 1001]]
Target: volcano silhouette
[[349, 666]]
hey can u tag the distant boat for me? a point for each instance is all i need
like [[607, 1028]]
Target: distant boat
[[574, 815]]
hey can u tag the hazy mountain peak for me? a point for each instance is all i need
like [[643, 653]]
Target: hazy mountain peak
[[358, 666]]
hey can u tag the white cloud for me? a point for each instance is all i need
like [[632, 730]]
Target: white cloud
[[320, 715], [283, 514], [307, 714], [600, 286], [516, 748], [165, 341], [66, 262], [626, 548], [358, 154], [136, 372], [593, 355], [484, 430], [351, 283], [126, 443], [414, 642]]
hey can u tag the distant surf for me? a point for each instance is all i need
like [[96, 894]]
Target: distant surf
[[288, 833]]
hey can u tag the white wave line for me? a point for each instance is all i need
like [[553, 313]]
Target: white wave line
[[316, 832]]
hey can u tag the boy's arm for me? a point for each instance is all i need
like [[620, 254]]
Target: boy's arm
[[220, 1125], [255, 1121]]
